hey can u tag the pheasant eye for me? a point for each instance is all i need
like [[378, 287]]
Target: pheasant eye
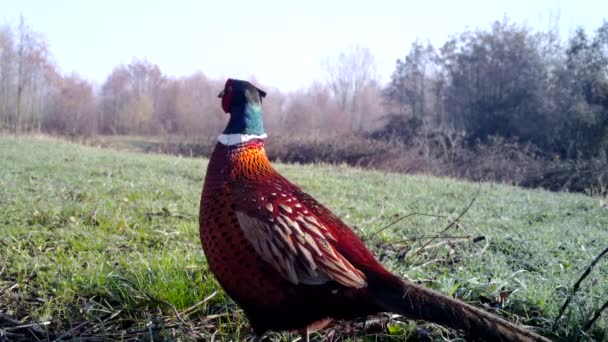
[[229, 89]]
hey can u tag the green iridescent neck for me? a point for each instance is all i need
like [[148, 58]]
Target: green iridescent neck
[[246, 119]]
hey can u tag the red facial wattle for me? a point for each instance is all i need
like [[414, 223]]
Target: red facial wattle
[[226, 102], [227, 97]]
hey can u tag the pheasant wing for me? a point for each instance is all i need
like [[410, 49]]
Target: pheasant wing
[[297, 244]]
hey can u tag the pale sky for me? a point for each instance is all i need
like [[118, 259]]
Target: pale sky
[[281, 43]]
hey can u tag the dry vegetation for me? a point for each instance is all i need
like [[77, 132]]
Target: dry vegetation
[[498, 160]]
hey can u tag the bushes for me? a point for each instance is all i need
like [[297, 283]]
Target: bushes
[[440, 154]]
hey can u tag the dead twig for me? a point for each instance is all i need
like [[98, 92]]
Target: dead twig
[[392, 224], [576, 287], [179, 317], [68, 334], [466, 209], [189, 310], [464, 237], [454, 222], [149, 329], [443, 243], [597, 315], [406, 216], [33, 328]]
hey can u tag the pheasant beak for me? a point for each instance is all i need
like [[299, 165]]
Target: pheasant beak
[[221, 94]]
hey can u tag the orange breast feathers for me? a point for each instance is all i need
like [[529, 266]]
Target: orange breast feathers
[[282, 230]]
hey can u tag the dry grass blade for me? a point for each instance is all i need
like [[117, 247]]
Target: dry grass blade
[[179, 317], [189, 310], [406, 216], [576, 287]]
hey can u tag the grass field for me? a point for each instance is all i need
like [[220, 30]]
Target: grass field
[[104, 245]]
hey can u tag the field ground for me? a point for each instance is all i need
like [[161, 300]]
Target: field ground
[[103, 245]]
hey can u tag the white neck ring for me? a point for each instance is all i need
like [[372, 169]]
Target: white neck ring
[[235, 139]]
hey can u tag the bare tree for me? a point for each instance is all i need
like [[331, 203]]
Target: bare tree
[[113, 98], [130, 99], [34, 76], [72, 109], [348, 77], [198, 112], [20, 72], [7, 76]]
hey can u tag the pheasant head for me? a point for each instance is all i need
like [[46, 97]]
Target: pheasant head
[[243, 102]]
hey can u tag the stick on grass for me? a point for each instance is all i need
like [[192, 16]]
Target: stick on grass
[[597, 315], [452, 223], [576, 287]]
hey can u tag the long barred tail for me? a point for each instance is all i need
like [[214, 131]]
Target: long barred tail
[[417, 302]]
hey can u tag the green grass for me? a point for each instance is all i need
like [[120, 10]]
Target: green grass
[[106, 243]]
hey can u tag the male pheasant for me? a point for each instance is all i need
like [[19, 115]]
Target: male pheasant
[[287, 260]]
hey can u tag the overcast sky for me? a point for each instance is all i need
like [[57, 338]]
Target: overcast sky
[[281, 43]]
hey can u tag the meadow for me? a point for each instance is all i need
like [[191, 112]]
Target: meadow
[[102, 245]]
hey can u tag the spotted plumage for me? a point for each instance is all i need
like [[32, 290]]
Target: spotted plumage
[[287, 260], [266, 247]]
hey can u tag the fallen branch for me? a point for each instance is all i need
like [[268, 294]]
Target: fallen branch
[[597, 315], [576, 287]]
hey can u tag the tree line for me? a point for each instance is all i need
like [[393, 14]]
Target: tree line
[[506, 81], [138, 98]]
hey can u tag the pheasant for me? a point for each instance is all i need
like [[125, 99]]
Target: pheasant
[[288, 261]]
